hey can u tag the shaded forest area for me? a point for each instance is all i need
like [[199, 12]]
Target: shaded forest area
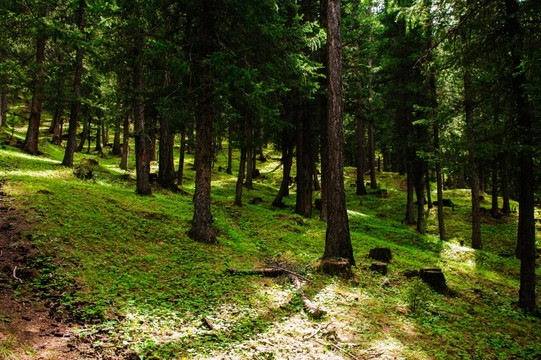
[[380, 159]]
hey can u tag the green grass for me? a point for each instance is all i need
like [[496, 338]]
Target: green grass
[[126, 268]]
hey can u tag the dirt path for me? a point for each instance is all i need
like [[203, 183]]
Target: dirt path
[[29, 329]]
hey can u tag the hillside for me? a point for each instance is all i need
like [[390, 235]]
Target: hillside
[[119, 275]]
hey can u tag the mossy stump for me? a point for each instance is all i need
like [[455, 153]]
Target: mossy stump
[[336, 267]]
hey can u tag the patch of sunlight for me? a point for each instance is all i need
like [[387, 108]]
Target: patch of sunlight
[[455, 252], [356, 213], [28, 156], [116, 169], [48, 174], [391, 348]]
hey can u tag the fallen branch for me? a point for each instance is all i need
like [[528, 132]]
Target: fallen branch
[[209, 324], [341, 349], [314, 311], [15, 275], [317, 331]]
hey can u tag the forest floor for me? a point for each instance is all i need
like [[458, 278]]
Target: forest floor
[[107, 274], [29, 328]]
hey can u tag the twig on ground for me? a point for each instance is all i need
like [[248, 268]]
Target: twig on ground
[[15, 275], [338, 348], [321, 327]]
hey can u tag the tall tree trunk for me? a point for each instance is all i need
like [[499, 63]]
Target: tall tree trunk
[[361, 154], [372, 155], [86, 124], [32, 135], [303, 205], [420, 193], [105, 133], [494, 210], [202, 219], [76, 101], [428, 190], [151, 118], [337, 239], [230, 151], [141, 153], [526, 178], [166, 170], [180, 173], [287, 161], [323, 123], [3, 106], [243, 160], [410, 184], [56, 124], [99, 124], [250, 154], [59, 109], [125, 144], [439, 185], [506, 207], [474, 167]]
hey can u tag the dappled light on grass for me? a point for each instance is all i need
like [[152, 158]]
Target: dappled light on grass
[[356, 213], [22, 155]]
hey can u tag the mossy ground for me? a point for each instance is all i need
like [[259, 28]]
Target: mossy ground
[[140, 287]]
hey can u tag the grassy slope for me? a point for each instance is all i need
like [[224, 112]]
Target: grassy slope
[[126, 260]]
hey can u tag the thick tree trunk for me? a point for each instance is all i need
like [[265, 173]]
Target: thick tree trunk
[[32, 135], [526, 178], [323, 122], [76, 101], [125, 144], [141, 153], [202, 219], [337, 239], [303, 204], [166, 170], [474, 167], [180, 173]]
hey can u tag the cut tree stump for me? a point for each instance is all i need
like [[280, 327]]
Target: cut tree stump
[[381, 254], [379, 267], [336, 267], [434, 278]]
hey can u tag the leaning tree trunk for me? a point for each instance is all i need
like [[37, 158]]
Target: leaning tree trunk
[[337, 238], [141, 156], [474, 166], [202, 219], [526, 176], [76, 101], [32, 135]]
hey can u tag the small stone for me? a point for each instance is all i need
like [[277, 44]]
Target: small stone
[[386, 283]]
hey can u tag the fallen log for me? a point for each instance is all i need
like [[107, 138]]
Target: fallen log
[[313, 310]]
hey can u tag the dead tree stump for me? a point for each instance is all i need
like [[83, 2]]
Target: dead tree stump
[[434, 278], [379, 267]]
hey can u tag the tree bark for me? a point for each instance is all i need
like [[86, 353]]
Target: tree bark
[[86, 124], [76, 101], [494, 210], [125, 144], [230, 151], [428, 189], [250, 154], [337, 239], [303, 204], [141, 153], [3, 107], [526, 178], [372, 155], [439, 185], [361, 153], [202, 220], [504, 168], [30, 144], [410, 204], [474, 167], [323, 123], [287, 162], [242, 163], [166, 170]]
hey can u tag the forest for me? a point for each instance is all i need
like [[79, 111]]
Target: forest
[[272, 179]]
